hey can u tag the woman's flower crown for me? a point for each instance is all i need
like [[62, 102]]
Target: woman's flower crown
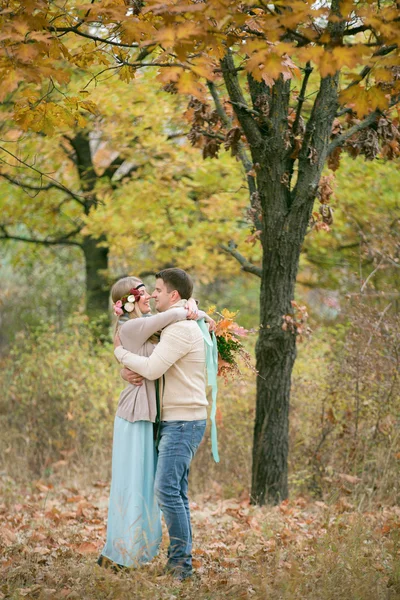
[[126, 303]]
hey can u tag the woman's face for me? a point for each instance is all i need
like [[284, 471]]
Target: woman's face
[[144, 301]]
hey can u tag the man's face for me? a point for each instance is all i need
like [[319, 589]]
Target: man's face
[[162, 297]]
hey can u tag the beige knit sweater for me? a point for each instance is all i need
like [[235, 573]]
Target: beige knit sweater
[[180, 354], [138, 403]]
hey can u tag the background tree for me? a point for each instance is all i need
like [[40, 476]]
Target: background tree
[[361, 250], [250, 58], [124, 187]]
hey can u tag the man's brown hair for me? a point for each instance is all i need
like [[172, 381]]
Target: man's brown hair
[[177, 279]]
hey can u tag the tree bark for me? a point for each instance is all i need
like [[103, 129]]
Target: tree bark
[[285, 217], [95, 251], [97, 292], [275, 353]]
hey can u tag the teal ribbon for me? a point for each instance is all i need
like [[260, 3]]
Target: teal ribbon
[[212, 370]]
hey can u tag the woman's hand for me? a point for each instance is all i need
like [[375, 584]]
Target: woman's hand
[[212, 326], [191, 307], [131, 377]]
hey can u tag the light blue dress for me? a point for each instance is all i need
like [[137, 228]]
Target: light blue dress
[[134, 520]]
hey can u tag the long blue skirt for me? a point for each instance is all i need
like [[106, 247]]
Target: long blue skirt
[[134, 523]]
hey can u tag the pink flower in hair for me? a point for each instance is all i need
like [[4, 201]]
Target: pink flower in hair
[[118, 304], [118, 310]]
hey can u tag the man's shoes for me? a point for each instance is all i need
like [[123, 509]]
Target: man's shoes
[[178, 573]]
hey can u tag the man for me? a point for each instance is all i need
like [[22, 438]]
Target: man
[[180, 355]]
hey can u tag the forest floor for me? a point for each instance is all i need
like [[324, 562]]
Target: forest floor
[[51, 535]]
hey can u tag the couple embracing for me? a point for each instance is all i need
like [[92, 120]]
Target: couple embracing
[[167, 388]]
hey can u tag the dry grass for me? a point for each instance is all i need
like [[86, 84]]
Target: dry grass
[[337, 538], [51, 534]]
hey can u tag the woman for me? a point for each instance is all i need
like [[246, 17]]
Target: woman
[[134, 525]]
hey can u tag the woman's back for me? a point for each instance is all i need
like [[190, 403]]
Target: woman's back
[[138, 403]]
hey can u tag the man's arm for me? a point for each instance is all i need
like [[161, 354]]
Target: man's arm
[[173, 345], [126, 374]]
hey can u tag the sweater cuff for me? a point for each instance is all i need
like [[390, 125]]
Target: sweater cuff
[[119, 353]]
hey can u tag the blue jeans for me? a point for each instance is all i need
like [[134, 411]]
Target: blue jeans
[[179, 441]]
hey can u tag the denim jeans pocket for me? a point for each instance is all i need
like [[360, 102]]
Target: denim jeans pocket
[[172, 433], [198, 430]]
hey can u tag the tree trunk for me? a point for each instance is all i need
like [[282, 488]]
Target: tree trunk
[[95, 250], [275, 353], [281, 239], [97, 289], [285, 211]]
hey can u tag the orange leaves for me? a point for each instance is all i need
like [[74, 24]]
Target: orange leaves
[[169, 75], [7, 536], [329, 61], [136, 30], [268, 63], [203, 66], [87, 105], [9, 83], [106, 11], [254, 237], [187, 81], [238, 547], [169, 37], [296, 322], [341, 56], [226, 326], [364, 101], [43, 487], [26, 52], [48, 117], [87, 548], [223, 327], [189, 84]]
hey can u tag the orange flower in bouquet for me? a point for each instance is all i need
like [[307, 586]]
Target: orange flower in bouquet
[[229, 342]]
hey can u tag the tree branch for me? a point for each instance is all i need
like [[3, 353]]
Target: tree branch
[[39, 188], [210, 134], [227, 121], [128, 173], [113, 166], [139, 63], [246, 265], [301, 98], [55, 183], [383, 51], [249, 126], [245, 160], [89, 36], [64, 240], [355, 30], [341, 139], [313, 152]]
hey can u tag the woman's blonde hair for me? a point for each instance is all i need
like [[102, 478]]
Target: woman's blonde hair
[[121, 288]]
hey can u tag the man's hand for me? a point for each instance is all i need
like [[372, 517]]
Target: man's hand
[[131, 377]]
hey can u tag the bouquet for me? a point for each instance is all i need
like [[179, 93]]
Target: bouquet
[[230, 346]]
